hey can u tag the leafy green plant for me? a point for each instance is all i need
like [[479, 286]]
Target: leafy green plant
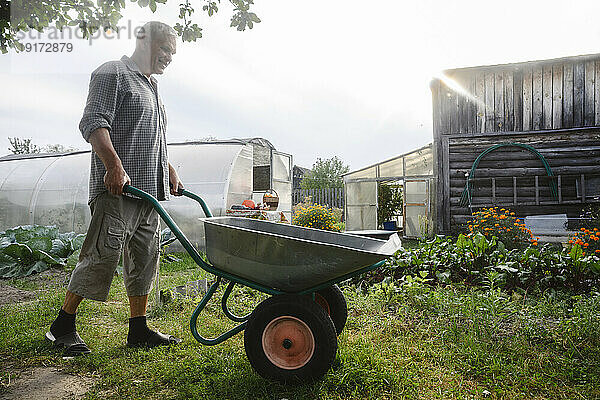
[[27, 249], [389, 202]]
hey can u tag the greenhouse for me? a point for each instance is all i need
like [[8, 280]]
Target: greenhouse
[[52, 189], [412, 175]]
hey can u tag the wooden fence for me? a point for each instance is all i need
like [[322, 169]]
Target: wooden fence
[[332, 197]]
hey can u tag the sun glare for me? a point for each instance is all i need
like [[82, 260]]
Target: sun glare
[[452, 84]]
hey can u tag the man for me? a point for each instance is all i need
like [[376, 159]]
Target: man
[[125, 122]]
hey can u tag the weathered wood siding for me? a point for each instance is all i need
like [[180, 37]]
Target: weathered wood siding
[[569, 154], [551, 105], [542, 95]]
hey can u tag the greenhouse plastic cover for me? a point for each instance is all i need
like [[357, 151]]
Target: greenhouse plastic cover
[[53, 190]]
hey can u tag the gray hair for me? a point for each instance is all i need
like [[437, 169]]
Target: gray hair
[[155, 29]]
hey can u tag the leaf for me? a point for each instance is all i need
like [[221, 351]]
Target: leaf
[[462, 242], [26, 232], [18, 251], [77, 242], [10, 272], [40, 255], [8, 269], [576, 252], [153, 5], [253, 17], [40, 243], [38, 266], [443, 277], [501, 247], [61, 248]]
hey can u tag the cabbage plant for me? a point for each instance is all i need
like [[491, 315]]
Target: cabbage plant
[[28, 249]]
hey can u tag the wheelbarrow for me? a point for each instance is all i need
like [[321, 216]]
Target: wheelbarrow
[[291, 336]]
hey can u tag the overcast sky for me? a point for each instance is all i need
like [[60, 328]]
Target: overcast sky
[[316, 78]]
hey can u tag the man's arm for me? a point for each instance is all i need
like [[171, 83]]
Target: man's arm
[[174, 181], [115, 177]]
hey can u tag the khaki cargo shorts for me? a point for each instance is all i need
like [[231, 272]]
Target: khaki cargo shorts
[[119, 225]]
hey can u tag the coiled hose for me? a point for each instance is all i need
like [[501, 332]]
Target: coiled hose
[[466, 197]]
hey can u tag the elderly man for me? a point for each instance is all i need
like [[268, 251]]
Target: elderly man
[[125, 122]]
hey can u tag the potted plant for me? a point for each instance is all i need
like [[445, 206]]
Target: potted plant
[[389, 202]]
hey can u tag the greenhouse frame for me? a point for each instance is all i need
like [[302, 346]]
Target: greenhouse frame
[[414, 172], [52, 189]]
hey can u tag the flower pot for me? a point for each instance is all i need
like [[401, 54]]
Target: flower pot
[[390, 226]]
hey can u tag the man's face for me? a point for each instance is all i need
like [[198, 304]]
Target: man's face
[[161, 53]]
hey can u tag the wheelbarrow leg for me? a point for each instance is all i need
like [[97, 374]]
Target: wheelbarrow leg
[[226, 310], [194, 320]]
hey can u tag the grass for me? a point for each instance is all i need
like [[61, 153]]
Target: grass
[[400, 342]]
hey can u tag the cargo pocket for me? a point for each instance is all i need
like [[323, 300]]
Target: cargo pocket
[[111, 238]]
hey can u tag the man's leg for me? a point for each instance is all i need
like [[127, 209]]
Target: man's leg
[[137, 305], [65, 322], [140, 262], [94, 271], [71, 302], [140, 335]]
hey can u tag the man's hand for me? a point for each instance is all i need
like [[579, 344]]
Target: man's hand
[[115, 178], [174, 181]]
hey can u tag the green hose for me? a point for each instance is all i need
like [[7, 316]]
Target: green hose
[[466, 197]]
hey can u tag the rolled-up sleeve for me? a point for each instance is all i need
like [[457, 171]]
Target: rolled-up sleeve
[[102, 100]]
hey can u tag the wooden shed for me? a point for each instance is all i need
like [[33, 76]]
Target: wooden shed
[[524, 136]]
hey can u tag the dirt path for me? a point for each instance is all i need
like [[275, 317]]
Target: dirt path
[[9, 295], [46, 383], [47, 280]]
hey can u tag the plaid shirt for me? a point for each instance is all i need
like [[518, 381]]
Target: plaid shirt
[[124, 101]]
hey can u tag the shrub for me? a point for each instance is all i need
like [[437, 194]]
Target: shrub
[[502, 224], [315, 216]]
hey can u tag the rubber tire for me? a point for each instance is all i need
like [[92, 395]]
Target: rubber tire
[[307, 311], [338, 309]]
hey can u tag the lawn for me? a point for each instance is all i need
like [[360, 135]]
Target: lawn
[[411, 341]]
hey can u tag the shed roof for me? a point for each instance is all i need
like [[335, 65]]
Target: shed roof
[[569, 59]]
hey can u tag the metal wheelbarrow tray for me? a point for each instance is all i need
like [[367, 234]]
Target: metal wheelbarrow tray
[[291, 336], [289, 258]]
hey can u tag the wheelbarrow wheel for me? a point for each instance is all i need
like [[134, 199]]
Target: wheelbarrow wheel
[[290, 339], [334, 303]]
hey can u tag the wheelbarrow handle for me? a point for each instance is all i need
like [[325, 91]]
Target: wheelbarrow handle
[[141, 194]]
